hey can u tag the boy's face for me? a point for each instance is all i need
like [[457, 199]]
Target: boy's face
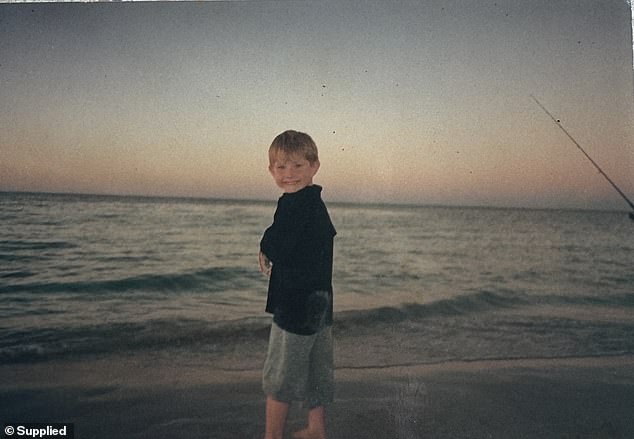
[[293, 173]]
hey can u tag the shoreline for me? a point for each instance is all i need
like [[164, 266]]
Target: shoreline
[[154, 395], [142, 368]]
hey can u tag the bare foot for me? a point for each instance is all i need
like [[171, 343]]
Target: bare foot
[[308, 434]]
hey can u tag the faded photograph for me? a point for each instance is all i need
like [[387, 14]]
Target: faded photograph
[[473, 205]]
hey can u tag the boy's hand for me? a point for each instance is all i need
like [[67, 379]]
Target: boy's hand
[[265, 264]]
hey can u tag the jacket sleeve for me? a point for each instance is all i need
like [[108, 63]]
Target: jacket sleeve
[[289, 222]]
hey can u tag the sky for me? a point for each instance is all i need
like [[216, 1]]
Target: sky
[[423, 102]]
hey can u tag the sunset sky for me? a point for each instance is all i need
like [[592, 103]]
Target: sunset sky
[[423, 102]]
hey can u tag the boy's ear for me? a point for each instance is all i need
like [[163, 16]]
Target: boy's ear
[[315, 165]]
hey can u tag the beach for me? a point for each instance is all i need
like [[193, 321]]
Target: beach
[[138, 317], [164, 396]]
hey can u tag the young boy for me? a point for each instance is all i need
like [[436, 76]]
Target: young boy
[[296, 253]]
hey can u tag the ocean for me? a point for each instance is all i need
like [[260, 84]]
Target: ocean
[[85, 275]]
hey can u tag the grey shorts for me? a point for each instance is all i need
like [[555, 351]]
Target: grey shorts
[[299, 367]]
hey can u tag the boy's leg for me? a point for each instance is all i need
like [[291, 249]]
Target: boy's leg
[[316, 425], [320, 386], [283, 377], [276, 412]]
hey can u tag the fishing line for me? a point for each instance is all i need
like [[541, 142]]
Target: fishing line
[[561, 127]]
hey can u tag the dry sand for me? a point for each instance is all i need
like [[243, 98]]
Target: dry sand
[[155, 396]]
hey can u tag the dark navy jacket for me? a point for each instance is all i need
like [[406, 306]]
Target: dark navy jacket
[[299, 243]]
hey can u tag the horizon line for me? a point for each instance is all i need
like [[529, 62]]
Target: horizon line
[[333, 202]]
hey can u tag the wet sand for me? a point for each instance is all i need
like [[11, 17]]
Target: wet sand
[[162, 396]]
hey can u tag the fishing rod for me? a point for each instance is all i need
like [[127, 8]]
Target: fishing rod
[[561, 127]]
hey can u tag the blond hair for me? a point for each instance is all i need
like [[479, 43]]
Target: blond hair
[[293, 143]]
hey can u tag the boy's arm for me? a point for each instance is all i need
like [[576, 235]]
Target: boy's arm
[[265, 264], [280, 239]]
